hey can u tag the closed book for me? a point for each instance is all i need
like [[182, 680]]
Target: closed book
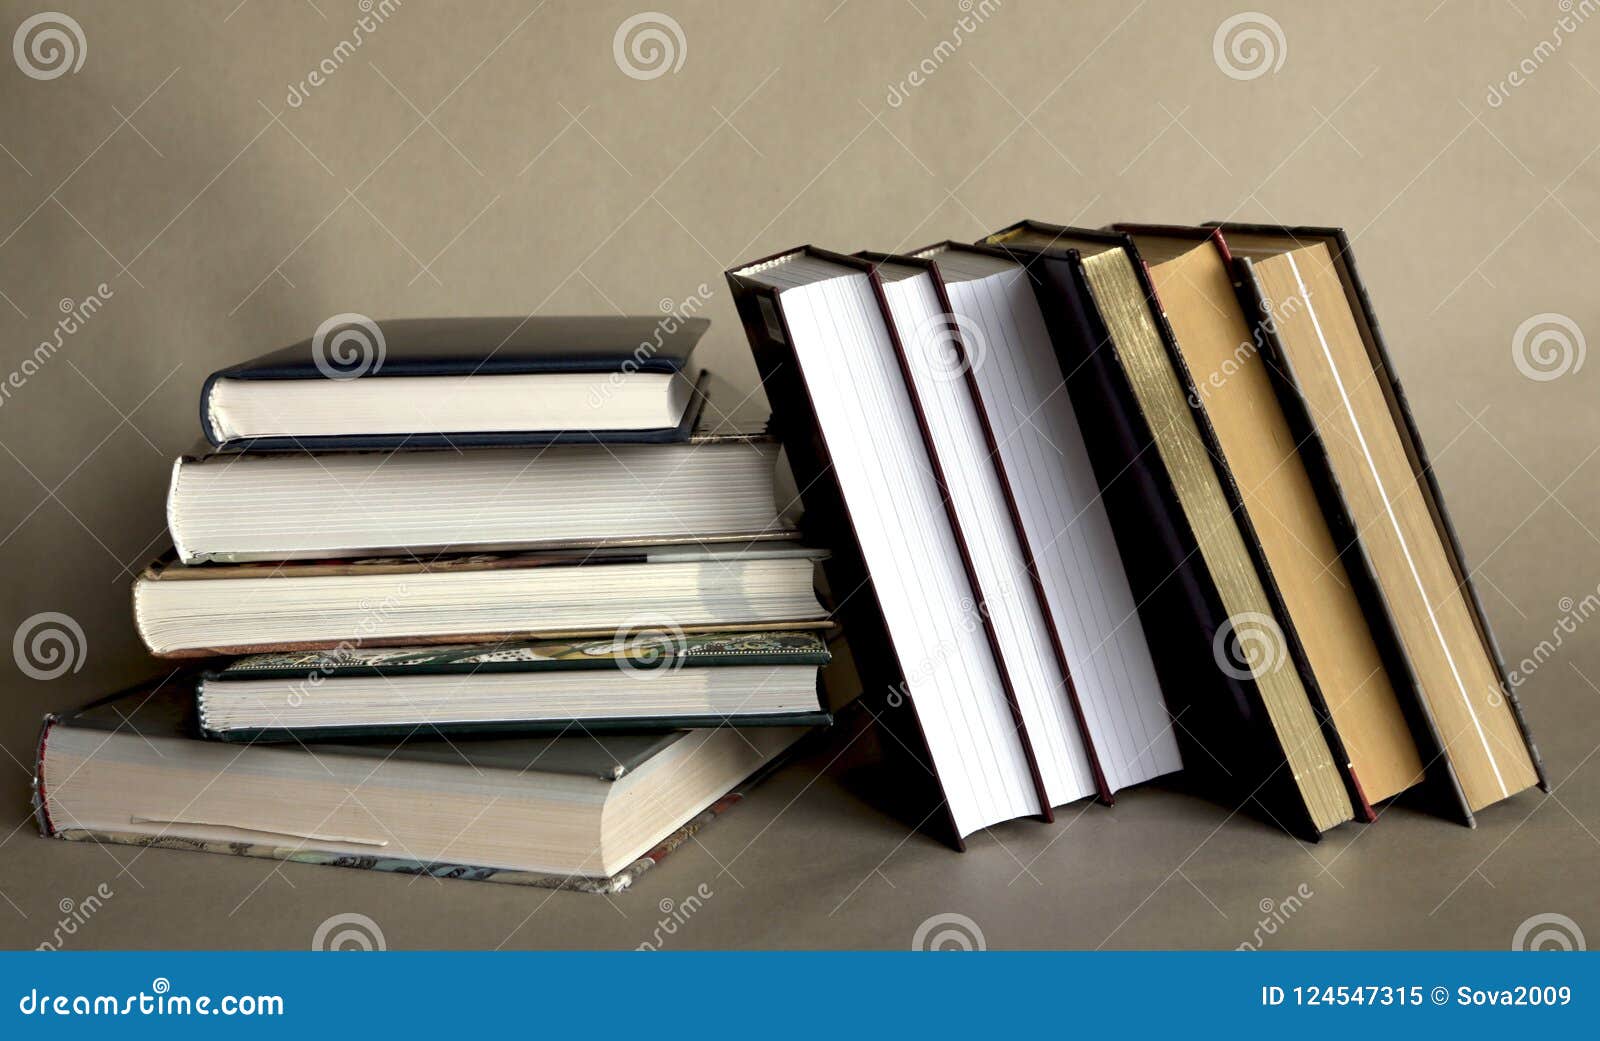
[[715, 487], [1345, 644], [830, 353], [1336, 377], [184, 611], [455, 382], [588, 812], [653, 677]]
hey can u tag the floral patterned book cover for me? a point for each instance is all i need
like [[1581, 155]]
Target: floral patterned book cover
[[641, 648]]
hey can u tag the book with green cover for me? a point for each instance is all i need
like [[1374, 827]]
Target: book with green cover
[[580, 811], [650, 677]]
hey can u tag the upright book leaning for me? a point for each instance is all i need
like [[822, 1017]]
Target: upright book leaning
[[1337, 372], [830, 358]]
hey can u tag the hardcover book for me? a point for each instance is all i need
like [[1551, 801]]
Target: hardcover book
[[981, 368], [925, 648], [717, 486], [652, 678], [452, 382], [589, 812], [197, 611], [1385, 503], [1190, 268]]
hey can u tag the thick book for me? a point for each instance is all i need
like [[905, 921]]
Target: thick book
[[901, 572], [580, 811], [453, 382], [716, 487], [980, 366], [1346, 647], [1328, 352], [185, 611], [1247, 710], [652, 678]]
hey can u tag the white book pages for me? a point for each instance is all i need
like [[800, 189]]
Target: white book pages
[[974, 482], [301, 506], [1063, 515], [867, 420]]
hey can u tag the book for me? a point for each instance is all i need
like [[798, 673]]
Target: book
[[1248, 712], [924, 645], [1191, 272], [578, 811], [716, 487], [193, 611], [654, 678], [981, 368], [1387, 507], [452, 382]]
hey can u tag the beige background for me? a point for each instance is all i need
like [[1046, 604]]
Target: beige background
[[493, 158]]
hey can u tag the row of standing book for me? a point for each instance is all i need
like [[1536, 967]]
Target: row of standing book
[[1131, 500], [515, 599]]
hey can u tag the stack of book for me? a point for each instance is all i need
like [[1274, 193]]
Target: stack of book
[[1130, 500], [502, 600], [1096, 505]]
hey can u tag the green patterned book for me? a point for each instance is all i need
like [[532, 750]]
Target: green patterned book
[[644, 678]]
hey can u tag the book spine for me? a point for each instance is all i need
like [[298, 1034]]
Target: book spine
[[827, 522]]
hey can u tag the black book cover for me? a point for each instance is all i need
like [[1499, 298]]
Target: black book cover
[[400, 347]]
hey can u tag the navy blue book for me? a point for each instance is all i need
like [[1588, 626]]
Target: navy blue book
[[450, 382]]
